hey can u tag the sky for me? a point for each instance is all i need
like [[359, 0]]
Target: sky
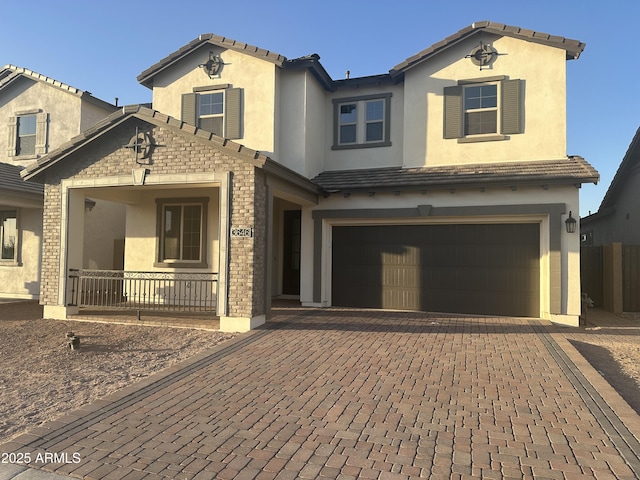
[[101, 47]]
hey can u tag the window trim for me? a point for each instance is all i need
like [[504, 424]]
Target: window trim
[[41, 134], [16, 248], [509, 112], [161, 203], [232, 117], [361, 121]]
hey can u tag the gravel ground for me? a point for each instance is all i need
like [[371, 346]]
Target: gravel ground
[[41, 378]]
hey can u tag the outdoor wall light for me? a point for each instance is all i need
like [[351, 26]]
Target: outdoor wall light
[[570, 223]]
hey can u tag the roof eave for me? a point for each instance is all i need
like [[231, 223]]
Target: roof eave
[[459, 185], [146, 77], [573, 48]]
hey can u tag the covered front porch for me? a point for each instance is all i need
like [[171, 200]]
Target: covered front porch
[[189, 232]]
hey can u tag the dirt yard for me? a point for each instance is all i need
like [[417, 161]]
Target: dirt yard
[[40, 378], [611, 344]]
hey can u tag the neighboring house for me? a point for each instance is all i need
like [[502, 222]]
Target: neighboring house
[[37, 114], [616, 220], [442, 185]]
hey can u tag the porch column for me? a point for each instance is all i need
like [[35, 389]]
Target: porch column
[[70, 250], [245, 307]]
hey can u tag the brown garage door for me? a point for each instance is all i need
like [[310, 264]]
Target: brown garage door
[[491, 269]]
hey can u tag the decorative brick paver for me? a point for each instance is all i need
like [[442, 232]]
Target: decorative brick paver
[[337, 393]]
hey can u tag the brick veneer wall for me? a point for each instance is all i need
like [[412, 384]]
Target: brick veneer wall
[[176, 152]]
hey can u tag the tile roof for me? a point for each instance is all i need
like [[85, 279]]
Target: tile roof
[[573, 47], [11, 181], [572, 170], [10, 73], [160, 119], [146, 77]]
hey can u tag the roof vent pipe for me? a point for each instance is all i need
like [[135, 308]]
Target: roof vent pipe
[[347, 73]]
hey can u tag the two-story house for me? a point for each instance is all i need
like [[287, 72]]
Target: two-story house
[[442, 185], [37, 114]]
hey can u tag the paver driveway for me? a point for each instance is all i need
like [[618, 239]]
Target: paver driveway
[[342, 393]]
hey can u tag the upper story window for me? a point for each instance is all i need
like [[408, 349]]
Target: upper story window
[[28, 134], [211, 112], [480, 109], [362, 122], [216, 109], [26, 143], [483, 109], [182, 232], [8, 235]]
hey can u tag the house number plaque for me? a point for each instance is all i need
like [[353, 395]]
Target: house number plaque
[[246, 232]]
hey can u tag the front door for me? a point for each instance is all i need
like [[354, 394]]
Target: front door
[[291, 253]]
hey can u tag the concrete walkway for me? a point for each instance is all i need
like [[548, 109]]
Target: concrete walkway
[[347, 394]]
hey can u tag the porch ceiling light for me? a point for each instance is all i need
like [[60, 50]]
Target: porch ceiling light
[[570, 223]]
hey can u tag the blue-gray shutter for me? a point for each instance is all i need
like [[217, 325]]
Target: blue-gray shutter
[[453, 112], [233, 113], [511, 107], [189, 104]]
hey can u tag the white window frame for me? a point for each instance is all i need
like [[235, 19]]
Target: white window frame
[[466, 111], [220, 115]]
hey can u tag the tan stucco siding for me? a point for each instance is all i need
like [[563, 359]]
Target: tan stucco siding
[[543, 70], [303, 104], [254, 76], [141, 227], [21, 279], [28, 96], [366, 157]]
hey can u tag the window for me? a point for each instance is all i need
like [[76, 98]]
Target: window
[[362, 122], [216, 109], [483, 110], [28, 134], [182, 232], [9, 235], [26, 144], [480, 109], [211, 112]]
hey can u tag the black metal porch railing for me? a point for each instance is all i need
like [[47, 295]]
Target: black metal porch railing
[[118, 289]]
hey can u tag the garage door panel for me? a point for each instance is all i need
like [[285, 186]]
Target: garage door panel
[[492, 269]]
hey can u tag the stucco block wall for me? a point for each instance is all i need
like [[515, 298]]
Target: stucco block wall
[[176, 153]]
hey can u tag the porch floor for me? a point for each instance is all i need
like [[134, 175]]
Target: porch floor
[[200, 320]]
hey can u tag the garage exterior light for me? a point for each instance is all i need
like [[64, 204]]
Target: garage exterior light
[[570, 223]]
